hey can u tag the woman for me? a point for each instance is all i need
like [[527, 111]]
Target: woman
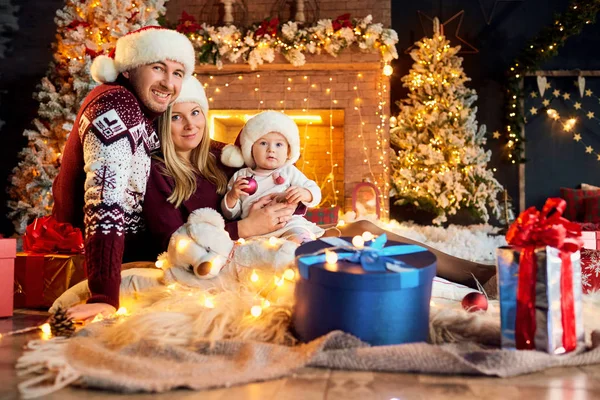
[[188, 175]]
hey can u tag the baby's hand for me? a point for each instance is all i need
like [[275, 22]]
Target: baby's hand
[[295, 194], [237, 191]]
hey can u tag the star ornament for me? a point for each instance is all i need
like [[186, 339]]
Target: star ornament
[[588, 92], [577, 137], [577, 105], [496, 135], [566, 96], [533, 95], [590, 114], [546, 102], [556, 93], [425, 20], [533, 111], [589, 150]]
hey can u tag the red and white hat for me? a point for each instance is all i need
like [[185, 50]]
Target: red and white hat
[[192, 91], [144, 46], [240, 153]]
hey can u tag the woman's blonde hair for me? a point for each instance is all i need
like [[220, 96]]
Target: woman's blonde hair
[[184, 172]]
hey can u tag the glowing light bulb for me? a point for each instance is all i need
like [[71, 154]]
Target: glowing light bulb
[[289, 274], [256, 311], [254, 276], [272, 240], [358, 242], [341, 222], [279, 281], [182, 244], [331, 257], [121, 311], [367, 236], [388, 70], [46, 329], [159, 263], [208, 302], [241, 241]]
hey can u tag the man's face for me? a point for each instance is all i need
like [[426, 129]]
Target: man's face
[[158, 84]]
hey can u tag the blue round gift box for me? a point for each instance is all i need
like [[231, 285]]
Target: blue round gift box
[[378, 307]]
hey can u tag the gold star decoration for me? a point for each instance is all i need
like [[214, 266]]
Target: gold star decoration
[[465, 47], [588, 92], [577, 137], [496, 134], [589, 149], [533, 95], [566, 96], [533, 111], [548, 85], [590, 114], [556, 93], [598, 157], [577, 105], [546, 102]]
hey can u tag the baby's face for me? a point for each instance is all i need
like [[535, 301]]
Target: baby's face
[[270, 151]]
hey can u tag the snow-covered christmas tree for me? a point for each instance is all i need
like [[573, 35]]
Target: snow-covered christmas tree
[[85, 30], [441, 166]]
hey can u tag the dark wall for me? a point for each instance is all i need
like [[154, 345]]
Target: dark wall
[[20, 72], [513, 24]]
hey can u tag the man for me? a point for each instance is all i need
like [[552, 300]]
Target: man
[[106, 160]]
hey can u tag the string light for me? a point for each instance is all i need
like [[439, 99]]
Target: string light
[[331, 257]]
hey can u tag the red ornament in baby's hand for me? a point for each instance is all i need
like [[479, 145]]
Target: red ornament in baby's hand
[[252, 185], [475, 301]]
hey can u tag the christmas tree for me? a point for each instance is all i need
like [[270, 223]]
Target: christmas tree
[[441, 166], [85, 30]]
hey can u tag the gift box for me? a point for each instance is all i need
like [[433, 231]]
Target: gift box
[[591, 240], [539, 282], [380, 292], [8, 249], [323, 215], [43, 272], [42, 278]]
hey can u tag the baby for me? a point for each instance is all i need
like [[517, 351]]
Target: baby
[[269, 145]]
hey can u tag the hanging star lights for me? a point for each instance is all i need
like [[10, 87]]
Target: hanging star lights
[[539, 49]]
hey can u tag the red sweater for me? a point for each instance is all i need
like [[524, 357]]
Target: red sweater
[[162, 218], [102, 181]]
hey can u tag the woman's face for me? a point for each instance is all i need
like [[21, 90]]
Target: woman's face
[[187, 127]]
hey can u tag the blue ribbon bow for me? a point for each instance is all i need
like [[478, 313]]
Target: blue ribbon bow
[[373, 258]]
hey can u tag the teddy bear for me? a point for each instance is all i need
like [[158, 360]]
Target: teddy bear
[[200, 255]]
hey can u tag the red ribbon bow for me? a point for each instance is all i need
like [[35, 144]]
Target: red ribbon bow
[[535, 229], [46, 235]]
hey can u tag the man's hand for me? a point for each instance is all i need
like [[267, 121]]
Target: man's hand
[[87, 312]]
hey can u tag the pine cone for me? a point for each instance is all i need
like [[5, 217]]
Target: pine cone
[[61, 324]]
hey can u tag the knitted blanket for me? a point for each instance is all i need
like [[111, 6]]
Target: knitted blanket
[[146, 367]]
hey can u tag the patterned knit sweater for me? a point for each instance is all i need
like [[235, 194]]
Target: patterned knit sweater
[[102, 181]]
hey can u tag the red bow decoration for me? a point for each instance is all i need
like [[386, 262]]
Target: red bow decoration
[[46, 235], [268, 26], [343, 21], [187, 24], [535, 229]]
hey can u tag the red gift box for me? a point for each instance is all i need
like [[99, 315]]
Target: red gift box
[[323, 216], [8, 251], [42, 278], [591, 240]]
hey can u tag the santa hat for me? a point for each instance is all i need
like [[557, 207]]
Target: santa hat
[[144, 46], [192, 91], [240, 153]]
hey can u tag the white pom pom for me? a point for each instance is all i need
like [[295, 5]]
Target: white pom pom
[[208, 216], [232, 156], [103, 69]]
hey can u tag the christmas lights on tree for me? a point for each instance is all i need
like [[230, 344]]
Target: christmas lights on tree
[[440, 165], [85, 30]]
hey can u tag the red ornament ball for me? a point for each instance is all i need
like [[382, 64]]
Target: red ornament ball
[[475, 301], [280, 180], [252, 185]]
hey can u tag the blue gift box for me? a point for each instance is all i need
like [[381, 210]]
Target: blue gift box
[[382, 297]]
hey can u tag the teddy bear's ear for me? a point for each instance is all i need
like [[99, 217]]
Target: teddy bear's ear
[[208, 216]]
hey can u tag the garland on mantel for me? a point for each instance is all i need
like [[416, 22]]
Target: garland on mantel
[[540, 49], [259, 43]]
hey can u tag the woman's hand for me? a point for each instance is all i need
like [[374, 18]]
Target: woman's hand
[[265, 216], [87, 312]]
